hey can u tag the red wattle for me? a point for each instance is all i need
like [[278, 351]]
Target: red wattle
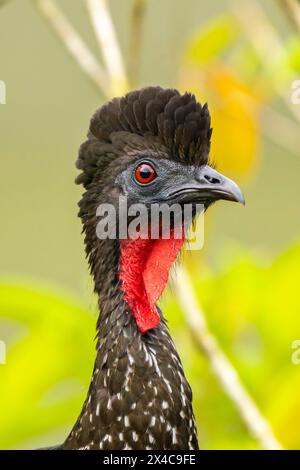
[[158, 265], [144, 272]]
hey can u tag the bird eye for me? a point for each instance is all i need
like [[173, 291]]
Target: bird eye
[[145, 173]]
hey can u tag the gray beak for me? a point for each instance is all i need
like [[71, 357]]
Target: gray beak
[[215, 186]]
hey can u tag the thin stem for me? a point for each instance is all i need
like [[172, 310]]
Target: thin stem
[[276, 126], [292, 10], [109, 46], [74, 44], [227, 375], [280, 129], [266, 42], [135, 39]]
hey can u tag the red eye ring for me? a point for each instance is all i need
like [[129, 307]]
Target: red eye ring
[[145, 173]]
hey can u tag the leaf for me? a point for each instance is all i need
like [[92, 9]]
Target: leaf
[[252, 308], [208, 43], [235, 117], [287, 65], [53, 349]]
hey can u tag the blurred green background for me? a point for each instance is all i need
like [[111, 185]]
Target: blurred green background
[[242, 58]]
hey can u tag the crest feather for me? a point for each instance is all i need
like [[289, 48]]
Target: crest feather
[[178, 121]]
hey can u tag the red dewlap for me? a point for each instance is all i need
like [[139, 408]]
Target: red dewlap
[[144, 272]]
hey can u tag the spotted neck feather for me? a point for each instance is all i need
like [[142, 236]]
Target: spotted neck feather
[[138, 397]]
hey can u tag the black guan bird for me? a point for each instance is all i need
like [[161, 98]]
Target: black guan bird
[[150, 146]]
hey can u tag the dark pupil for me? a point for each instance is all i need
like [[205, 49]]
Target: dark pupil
[[145, 172]]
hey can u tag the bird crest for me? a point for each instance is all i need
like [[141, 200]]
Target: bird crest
[[176, 122]]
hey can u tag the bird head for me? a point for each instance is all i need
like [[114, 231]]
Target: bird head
[[151, 147]]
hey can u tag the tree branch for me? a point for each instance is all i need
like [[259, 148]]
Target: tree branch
[[74, 44], [276, 126], [266, 42], [109, 46], [228, 377], [135, 39], [292, 10]]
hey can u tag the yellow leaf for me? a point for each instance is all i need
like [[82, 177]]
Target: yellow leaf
[[235, 116]]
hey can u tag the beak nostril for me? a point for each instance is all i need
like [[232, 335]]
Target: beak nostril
[[212, 180]]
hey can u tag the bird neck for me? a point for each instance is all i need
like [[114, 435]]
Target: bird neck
[[131, 275], [138, 382], [129, 289]]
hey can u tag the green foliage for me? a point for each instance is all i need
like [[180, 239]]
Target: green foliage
[[49, 359], [251, 307], [222, 41], [288, 63], [212, 40]]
